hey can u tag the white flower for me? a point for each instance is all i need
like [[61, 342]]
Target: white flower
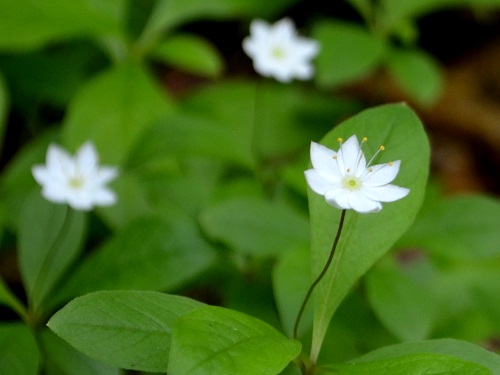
[[347, 181], [78, 181], [277, 51]]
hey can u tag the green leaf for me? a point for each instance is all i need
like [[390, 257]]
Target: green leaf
[[61, 358], [412, 364], [458, 349], [461, 228], [148, 254], [50, 239], [366, 237], [291, 278], [4, 108], [417, 73], [8, 298], [112, 110], [18, 350], [30, 24], [127, 329], [255, 226], [184, 135], [191, 53], [214, 340], [348, 52], [405, 308]]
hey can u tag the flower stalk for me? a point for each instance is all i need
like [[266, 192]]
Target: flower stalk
[[320, 276]]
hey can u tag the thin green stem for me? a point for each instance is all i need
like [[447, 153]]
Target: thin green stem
[[321, 275], [36, 293]]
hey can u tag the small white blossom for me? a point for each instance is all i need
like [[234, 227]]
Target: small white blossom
[[347, 181], [277, 51], [77, 181]]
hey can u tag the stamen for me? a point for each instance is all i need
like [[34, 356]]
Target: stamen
[[335, 157], [365, 139], [370, 169], [339, 140], [381, 148], [360, 153], [390, 164], [348, 170]]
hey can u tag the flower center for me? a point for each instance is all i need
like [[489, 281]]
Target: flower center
[[76, 182], [352, 182], [277, 52]]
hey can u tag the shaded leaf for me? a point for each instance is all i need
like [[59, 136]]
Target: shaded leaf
[[18, 350]]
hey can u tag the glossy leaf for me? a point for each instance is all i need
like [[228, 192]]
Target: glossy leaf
[[50, 239], [366, 237], [348, 52], [418, 74], [18, 350], [112, 110], [29, 24], [455, 348], [255, 226], [405, 308], [190, 53], [412, 364], [214, 340], [149, 254], [127, 329]]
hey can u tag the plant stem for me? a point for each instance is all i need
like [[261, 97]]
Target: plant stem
[[36, 296], [321, 275]]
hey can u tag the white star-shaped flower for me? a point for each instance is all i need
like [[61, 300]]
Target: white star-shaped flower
[[347, 181], [77, 181], [277, 51]]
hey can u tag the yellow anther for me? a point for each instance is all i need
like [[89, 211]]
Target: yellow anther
[[348, 170], [334, 156], [370, 169], [365, 139], [390, 164], [382, 148], [339, 140]]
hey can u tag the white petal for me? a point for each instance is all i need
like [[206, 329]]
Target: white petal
[[86, 158], [338, 198], [259, 29], [80, 201], [284, 29], [105, 175], [41, 174], [362, 204], [351, 156], [322, 159], [382, 174], [58, 160], [54, 193], [318, 183], [306, 48], [386, 193], [104, 197]]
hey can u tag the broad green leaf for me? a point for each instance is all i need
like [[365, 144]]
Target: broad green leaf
[[18, 350], [148, 254], [411, 364], [184, 135], [126, 329], [255, 226], [8, 299], [30, 24], [366, 238], [348, 52], [112, 110], [463, 228], [61, 358], [458, 349], [405, 308], [4, 108], [291, 278], [191, 53], [50, 238], [417, 73], [214, 340]]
